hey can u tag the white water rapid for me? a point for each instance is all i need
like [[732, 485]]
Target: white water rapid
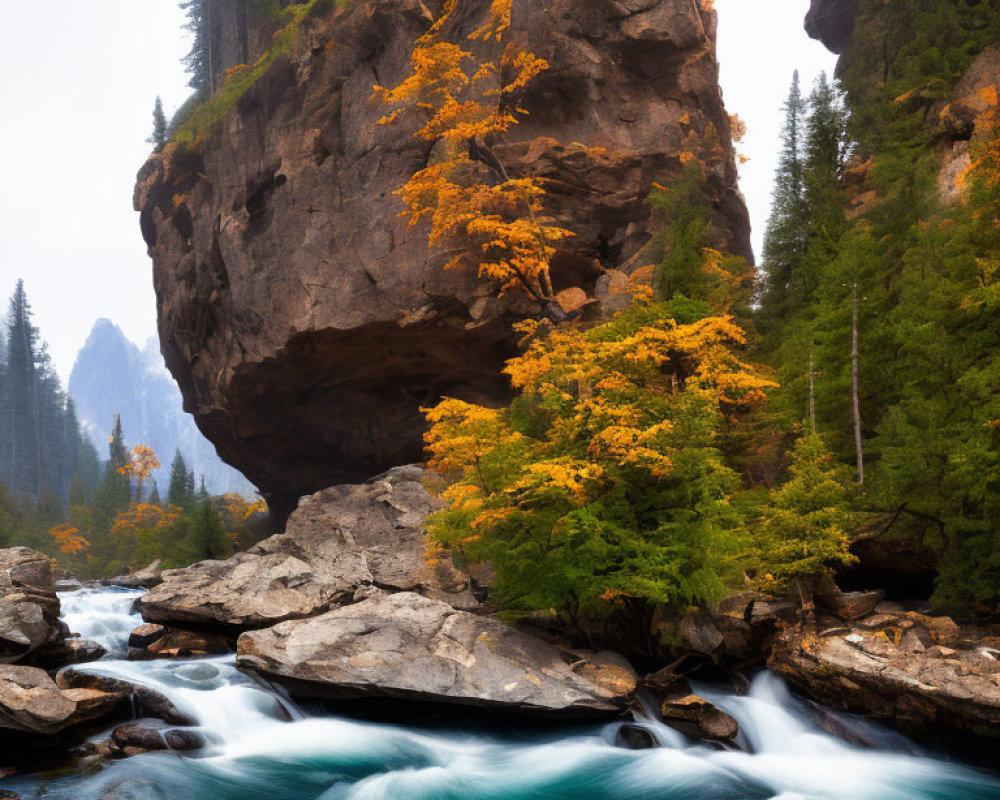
[[263, 748]]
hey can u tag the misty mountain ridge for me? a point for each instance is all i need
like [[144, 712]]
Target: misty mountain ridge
[[112, 375]]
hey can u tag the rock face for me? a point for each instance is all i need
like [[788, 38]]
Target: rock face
[[832, 22], [916, 672], [412, 647], [143, 701], [29, 607], [31, 701], [305, 322], [341, 541]]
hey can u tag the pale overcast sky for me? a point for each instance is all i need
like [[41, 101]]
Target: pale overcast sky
[[761, 43], [77, 85]]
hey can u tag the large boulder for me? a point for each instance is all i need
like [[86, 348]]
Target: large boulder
[[304, 321], [915, 672], [29, 606], [30, 701], [339, 542], [416, 648]]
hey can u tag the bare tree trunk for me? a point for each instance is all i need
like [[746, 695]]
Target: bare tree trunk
[[854, 389], [812, 395]]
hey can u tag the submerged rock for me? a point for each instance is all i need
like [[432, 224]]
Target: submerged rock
[[635, 737], [340, 542], [897, 668], [695, 716], [417, 648], [31, 701], [157, 641], [131, 740], [29, 606]]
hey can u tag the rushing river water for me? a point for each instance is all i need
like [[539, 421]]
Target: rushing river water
[[255, 753]]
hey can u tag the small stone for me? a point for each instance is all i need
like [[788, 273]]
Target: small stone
[[635, 737], [145, 635], [694, 716]]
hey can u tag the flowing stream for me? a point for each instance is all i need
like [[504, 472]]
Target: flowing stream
[[256, 752]]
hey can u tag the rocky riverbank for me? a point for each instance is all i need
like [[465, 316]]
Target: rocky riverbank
[[343, 604]]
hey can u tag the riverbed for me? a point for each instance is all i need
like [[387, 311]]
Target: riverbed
[[262, 746]]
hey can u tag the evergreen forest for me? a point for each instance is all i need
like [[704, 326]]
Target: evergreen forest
[[97, 515]]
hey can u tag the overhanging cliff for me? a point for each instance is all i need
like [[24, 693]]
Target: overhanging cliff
[[305, 323]]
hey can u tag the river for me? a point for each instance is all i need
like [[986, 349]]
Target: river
[[256, 753]]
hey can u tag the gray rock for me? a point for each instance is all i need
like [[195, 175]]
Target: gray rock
[[141, 579], [145, 702], [31, 701], [895, 673], [128, 740], [413, 647], [341, 542], [29, 607]]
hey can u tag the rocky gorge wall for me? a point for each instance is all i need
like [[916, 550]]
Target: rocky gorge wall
[[305, 323]]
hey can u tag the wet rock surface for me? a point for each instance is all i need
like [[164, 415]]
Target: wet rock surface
[[305, 323], [32, 702], [346, 540], [29, 606], [416, 648], [131, 740], [919, 673], [163, 642], [143, 701]]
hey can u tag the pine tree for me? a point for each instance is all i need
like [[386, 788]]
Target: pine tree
[[23, 464], [159, 136], [199, 60], [115, 492], [206, 538], [179, 492], [787, 227]]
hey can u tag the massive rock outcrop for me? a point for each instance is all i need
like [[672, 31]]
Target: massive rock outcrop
[[304, 321], [339, 544]]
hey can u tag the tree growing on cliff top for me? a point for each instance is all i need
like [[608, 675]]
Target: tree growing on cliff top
[[158, 138], [467, 99]]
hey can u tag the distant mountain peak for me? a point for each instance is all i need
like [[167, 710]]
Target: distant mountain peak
[[113, 376]]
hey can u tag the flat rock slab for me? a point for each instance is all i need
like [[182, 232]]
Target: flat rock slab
[[904, 669], [342, 540], [417, 648], [31, 701]]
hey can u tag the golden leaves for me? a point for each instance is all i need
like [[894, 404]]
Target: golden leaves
[[68, 538], [497, 223]]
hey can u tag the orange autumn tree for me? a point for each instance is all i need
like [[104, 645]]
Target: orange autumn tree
[[142, 462], [69, 541], [465, 94], [602, 482]]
